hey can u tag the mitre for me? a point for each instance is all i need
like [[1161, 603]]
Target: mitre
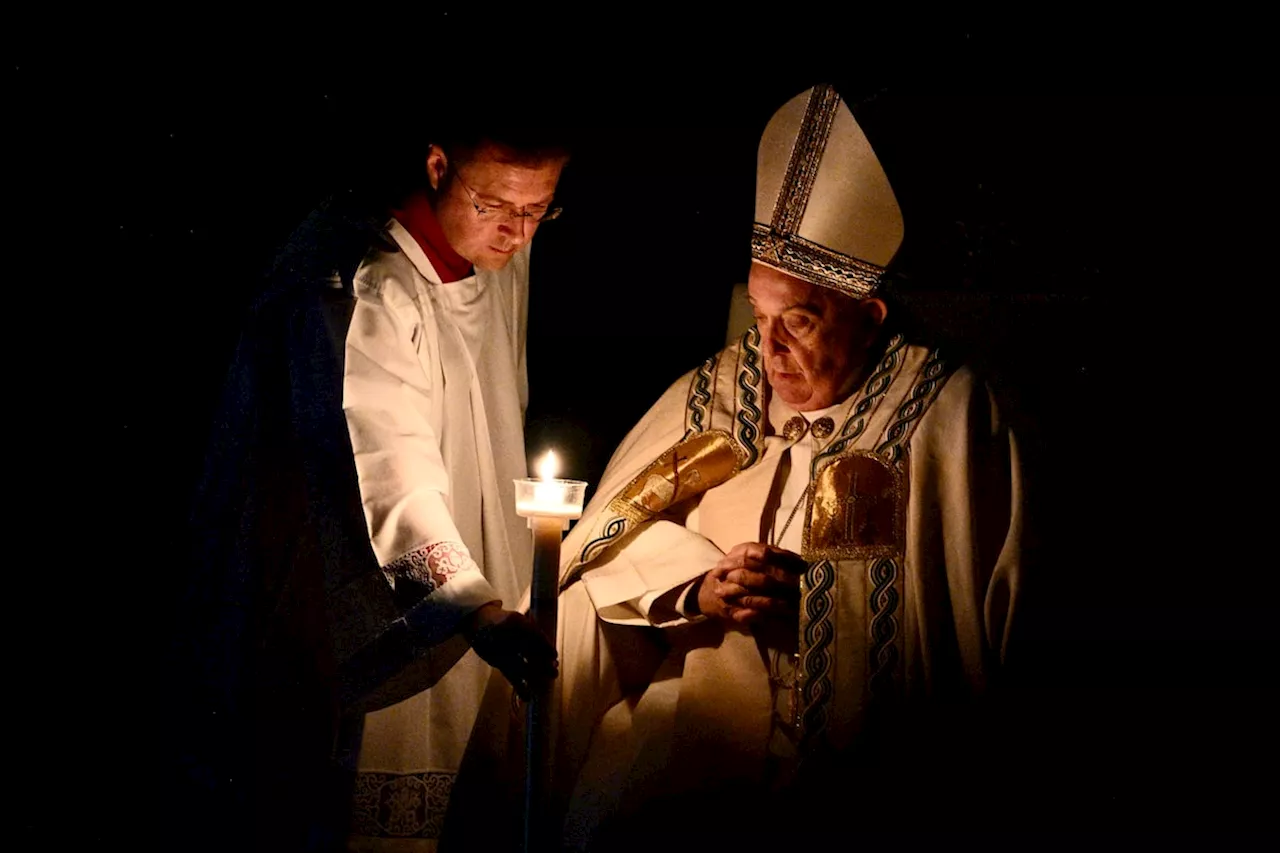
[[825, 212]]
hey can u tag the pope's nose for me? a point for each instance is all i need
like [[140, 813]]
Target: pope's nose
[[770, 346]]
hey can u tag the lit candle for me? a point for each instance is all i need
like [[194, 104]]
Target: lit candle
[[548, 504], [547, 497]]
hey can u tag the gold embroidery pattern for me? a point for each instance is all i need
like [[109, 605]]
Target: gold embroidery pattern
[[858, 509], [716, 456], [802, 168], [814, 263], [693, 465]]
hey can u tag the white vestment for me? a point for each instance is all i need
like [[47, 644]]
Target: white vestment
[[434, 391], [911, 528]]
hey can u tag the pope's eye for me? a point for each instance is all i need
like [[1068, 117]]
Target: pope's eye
[[797, 323]]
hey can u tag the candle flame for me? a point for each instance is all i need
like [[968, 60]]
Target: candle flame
[[549, 466]]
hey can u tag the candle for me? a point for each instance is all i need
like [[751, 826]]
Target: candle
[[548, 504], [548, 497]]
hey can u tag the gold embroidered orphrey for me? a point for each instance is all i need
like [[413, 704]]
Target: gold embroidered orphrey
[[857, 509], [692, 466]]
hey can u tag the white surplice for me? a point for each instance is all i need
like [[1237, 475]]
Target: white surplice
[[434, 392]]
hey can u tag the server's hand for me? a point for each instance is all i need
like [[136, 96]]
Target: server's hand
[[511, 642]]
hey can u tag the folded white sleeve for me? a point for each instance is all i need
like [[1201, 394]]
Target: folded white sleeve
[[657, 562]]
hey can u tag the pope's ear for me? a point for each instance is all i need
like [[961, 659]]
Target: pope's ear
[[437, 165], [874, 313]]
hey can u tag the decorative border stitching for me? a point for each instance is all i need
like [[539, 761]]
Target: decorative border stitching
[[432, 565], [699, 404], [400, 805], [817, 638], [813, 263], [883, 630], [612, 531], [806, 155], [748, 414], [872, 392], [933, 375]]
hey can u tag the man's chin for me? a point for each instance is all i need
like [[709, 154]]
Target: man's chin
[[493, 260], [789, 392]]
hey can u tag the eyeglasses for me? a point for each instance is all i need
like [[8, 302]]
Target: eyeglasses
[[494, 214]]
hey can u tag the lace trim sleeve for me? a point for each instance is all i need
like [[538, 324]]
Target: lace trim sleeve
[[432, 565]]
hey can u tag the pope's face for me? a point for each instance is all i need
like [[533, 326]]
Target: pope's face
[[814, 340], [493, 178]]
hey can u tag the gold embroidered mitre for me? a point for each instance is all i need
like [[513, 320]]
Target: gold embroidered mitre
[[825, 212]]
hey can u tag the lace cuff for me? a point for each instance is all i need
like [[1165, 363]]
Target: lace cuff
[[432, 565]]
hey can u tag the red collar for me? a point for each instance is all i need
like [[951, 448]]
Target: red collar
[[420, 220]]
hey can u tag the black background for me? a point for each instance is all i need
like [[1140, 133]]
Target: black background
[[1093, 213]]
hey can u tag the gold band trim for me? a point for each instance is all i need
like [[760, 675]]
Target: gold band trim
[[688, 468], [815, 264], [806, 154]]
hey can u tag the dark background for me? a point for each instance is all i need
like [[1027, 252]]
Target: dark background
[[1087, 217]]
